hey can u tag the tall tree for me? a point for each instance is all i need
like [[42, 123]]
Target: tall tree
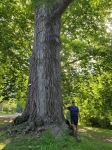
[[44, 103]]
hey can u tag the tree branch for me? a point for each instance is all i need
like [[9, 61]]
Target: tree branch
[[60, 7]]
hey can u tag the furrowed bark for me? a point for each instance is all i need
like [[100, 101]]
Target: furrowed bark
[[44, 102], [46, 96]]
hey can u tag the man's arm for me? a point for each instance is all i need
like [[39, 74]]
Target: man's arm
[[65, 107]]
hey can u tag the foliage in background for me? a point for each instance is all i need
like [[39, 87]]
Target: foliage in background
[[86, 60], [85, 56], [16, 40]]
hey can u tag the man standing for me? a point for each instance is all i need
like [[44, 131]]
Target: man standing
[[74, 114]]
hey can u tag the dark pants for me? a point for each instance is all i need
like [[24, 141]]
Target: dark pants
[[74, 120]]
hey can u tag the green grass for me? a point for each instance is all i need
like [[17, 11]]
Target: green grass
[[89, 141]]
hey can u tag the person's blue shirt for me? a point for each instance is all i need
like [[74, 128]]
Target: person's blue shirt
[[74, 110]]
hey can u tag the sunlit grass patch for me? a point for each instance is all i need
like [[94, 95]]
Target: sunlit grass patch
[[5, 142], [2, 145], [99, 131]]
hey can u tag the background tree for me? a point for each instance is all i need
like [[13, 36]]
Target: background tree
[[86, 60], [15, 50]]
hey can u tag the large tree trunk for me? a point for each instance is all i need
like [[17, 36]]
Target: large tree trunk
[[44, 103], [44, 90]]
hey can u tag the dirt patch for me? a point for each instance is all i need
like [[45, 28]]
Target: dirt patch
[[8, 118], [108, 139]]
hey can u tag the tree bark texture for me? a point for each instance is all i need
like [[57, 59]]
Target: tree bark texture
[[44, 103]]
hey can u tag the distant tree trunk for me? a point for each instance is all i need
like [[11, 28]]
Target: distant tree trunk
[[44, 103]]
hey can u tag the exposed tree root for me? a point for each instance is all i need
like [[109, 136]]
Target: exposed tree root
[[20, 119], [17, 129], [29, 128], [24, 125]]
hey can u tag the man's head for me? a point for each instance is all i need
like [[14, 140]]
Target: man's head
[[73, 102]]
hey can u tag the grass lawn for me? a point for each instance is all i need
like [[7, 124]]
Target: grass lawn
[[91, 139]]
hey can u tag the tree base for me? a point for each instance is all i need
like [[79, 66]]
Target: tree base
[[23, 125]]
